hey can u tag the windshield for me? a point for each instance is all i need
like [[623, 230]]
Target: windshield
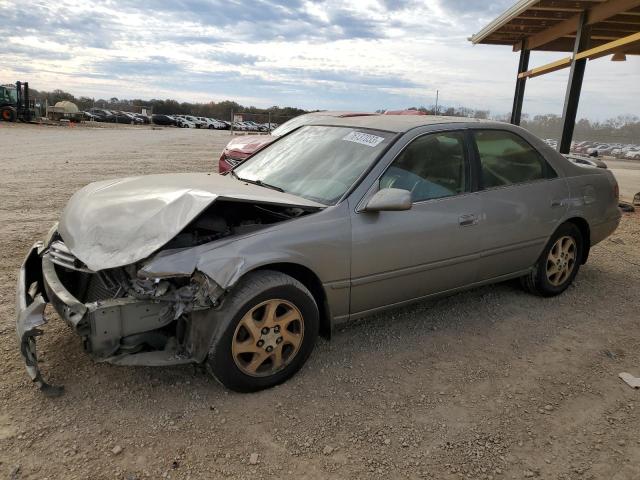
[[315, 162], [293, 124], [10, 95]]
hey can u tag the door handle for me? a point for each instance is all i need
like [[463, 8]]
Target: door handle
[[467, 220], [557, 203]]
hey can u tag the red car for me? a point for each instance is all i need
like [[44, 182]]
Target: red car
[[404, 112], [242, 147]]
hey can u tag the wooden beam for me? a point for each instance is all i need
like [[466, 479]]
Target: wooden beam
[[598, 13], [627, 44], [619, 45], [548, 68]]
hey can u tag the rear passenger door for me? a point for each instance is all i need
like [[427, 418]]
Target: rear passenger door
[[522, 198]]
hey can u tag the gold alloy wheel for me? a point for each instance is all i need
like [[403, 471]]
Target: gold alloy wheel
[[561, 260], [268, 338]]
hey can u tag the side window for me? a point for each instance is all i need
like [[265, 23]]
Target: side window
[[432, 166], [506, 159]]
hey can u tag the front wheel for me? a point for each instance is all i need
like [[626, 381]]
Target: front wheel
[[271, 326], [559, 263], [8, 115]]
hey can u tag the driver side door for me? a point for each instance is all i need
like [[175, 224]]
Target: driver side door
[[399, 256]]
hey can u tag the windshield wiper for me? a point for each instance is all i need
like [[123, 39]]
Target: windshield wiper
[[260, 183]]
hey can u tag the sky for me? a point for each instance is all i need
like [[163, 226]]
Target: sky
[[334, 54]]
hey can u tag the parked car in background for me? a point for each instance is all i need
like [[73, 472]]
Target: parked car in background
[[586, 161], [618, 150], [132, 117], [102, 115], [257, 126], [195, 121], [581, 147], [208, 122], [161, 119], [331, 222], [142, 118], [93, 117], [601, 149], [212, 123], [121, 117], [240, 148], [248, 126], [184, 122], [633, 154]]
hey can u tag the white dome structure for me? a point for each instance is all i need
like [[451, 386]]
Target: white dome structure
[[67, 107]]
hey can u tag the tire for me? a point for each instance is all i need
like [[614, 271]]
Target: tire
[[8, 114], [242, 360], [558, 264]]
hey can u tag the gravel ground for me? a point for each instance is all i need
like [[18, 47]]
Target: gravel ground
[[628, 174], [491, 383]]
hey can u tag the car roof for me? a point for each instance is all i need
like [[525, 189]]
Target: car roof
[[394, 123]]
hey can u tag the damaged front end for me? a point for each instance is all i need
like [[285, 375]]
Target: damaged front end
[[121, 319], [156, 311]]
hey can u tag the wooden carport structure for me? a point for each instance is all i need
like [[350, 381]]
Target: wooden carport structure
[[588, 29]]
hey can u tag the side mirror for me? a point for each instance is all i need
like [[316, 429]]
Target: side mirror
[[389, 200]]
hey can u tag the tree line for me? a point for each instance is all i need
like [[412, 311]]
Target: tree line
[[220, 110], [621, 129]]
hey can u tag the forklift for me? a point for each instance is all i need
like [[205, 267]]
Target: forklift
[[14, 103]]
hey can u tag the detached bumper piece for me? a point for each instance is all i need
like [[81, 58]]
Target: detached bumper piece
[[30, 304]]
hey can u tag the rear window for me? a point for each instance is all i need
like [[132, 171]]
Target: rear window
[[508, 159]]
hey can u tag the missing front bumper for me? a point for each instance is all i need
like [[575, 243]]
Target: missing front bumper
[[104, 325]]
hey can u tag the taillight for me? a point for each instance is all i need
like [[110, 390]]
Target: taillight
[[616, 190]]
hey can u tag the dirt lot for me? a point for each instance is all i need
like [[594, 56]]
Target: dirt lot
[[628, 175], [492, 383]]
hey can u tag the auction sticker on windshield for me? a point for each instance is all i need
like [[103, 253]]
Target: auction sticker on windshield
[[364, 139]]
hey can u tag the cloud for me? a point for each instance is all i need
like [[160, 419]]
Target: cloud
[[476, 7], [362, 54], [153, 66], [26, 53], [234, 58], [56, 22]]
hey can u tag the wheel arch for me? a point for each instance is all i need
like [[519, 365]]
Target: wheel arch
[[309, 279], [585, 230]]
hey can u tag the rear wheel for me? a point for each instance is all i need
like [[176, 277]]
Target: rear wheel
[[271, 328], [559, 263], [8, 114]]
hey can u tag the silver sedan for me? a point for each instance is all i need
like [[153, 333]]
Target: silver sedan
[[331, 222]]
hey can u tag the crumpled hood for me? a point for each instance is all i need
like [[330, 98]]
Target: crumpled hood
[[248, 144], [113, 223]]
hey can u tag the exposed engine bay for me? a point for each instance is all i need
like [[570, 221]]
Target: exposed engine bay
[[226, 218]]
